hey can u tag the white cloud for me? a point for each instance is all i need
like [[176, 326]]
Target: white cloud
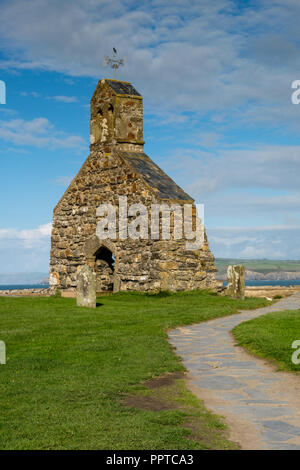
[[26, 249], [38, 132], [65, 99], [263, 166], [27, 237], [257, 242], [64, 180], [30, 93], [230, 62], [236, 61], [60, 98], [252, 252]]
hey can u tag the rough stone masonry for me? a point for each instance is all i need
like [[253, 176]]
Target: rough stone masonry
[[117, 166]]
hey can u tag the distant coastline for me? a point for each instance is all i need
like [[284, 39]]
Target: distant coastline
[[258, 272], [268, 277], [23, 286], [27, 278], [265, 282], [270, 282], [263, 270]]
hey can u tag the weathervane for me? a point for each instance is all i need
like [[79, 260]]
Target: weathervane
[[114, 62]]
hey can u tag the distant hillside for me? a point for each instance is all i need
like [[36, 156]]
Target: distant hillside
[[261, 268], [23, 278], [255, 269]]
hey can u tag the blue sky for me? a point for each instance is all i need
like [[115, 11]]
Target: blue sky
[[216, 80]]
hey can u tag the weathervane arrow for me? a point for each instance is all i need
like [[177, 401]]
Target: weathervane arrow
[[114, 62]]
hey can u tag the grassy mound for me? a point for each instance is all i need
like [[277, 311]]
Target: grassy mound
[[70, 372], [271, 336]]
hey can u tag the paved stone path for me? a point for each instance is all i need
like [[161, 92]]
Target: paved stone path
[[260, 405]]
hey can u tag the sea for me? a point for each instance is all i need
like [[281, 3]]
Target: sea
[[293, 282], [23, 286]]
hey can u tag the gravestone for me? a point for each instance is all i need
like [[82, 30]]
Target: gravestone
[[2, 353], [236, 281], [86, 287]]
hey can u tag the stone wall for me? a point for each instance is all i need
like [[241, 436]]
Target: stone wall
[[139, 264], [34, 292]]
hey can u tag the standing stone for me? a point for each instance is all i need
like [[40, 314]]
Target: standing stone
[[2, 353], [86, 287], [236, 281]]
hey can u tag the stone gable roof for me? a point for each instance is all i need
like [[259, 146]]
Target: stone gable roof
[[122, 88], [154, 176]]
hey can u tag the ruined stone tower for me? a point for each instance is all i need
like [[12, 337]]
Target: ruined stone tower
[[117, 167]]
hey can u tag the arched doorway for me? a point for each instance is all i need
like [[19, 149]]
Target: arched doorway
[[104, 267], [101, 255]]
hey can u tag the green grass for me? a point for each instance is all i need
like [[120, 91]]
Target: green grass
[[262, 266], [271, 336], [69, 370]]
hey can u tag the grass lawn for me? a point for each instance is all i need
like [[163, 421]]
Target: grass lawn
[[271, 336], [73, 375]]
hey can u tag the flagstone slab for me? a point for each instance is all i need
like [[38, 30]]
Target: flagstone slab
[[260, 404]]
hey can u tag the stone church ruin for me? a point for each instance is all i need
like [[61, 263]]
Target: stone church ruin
[[116, 167]]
